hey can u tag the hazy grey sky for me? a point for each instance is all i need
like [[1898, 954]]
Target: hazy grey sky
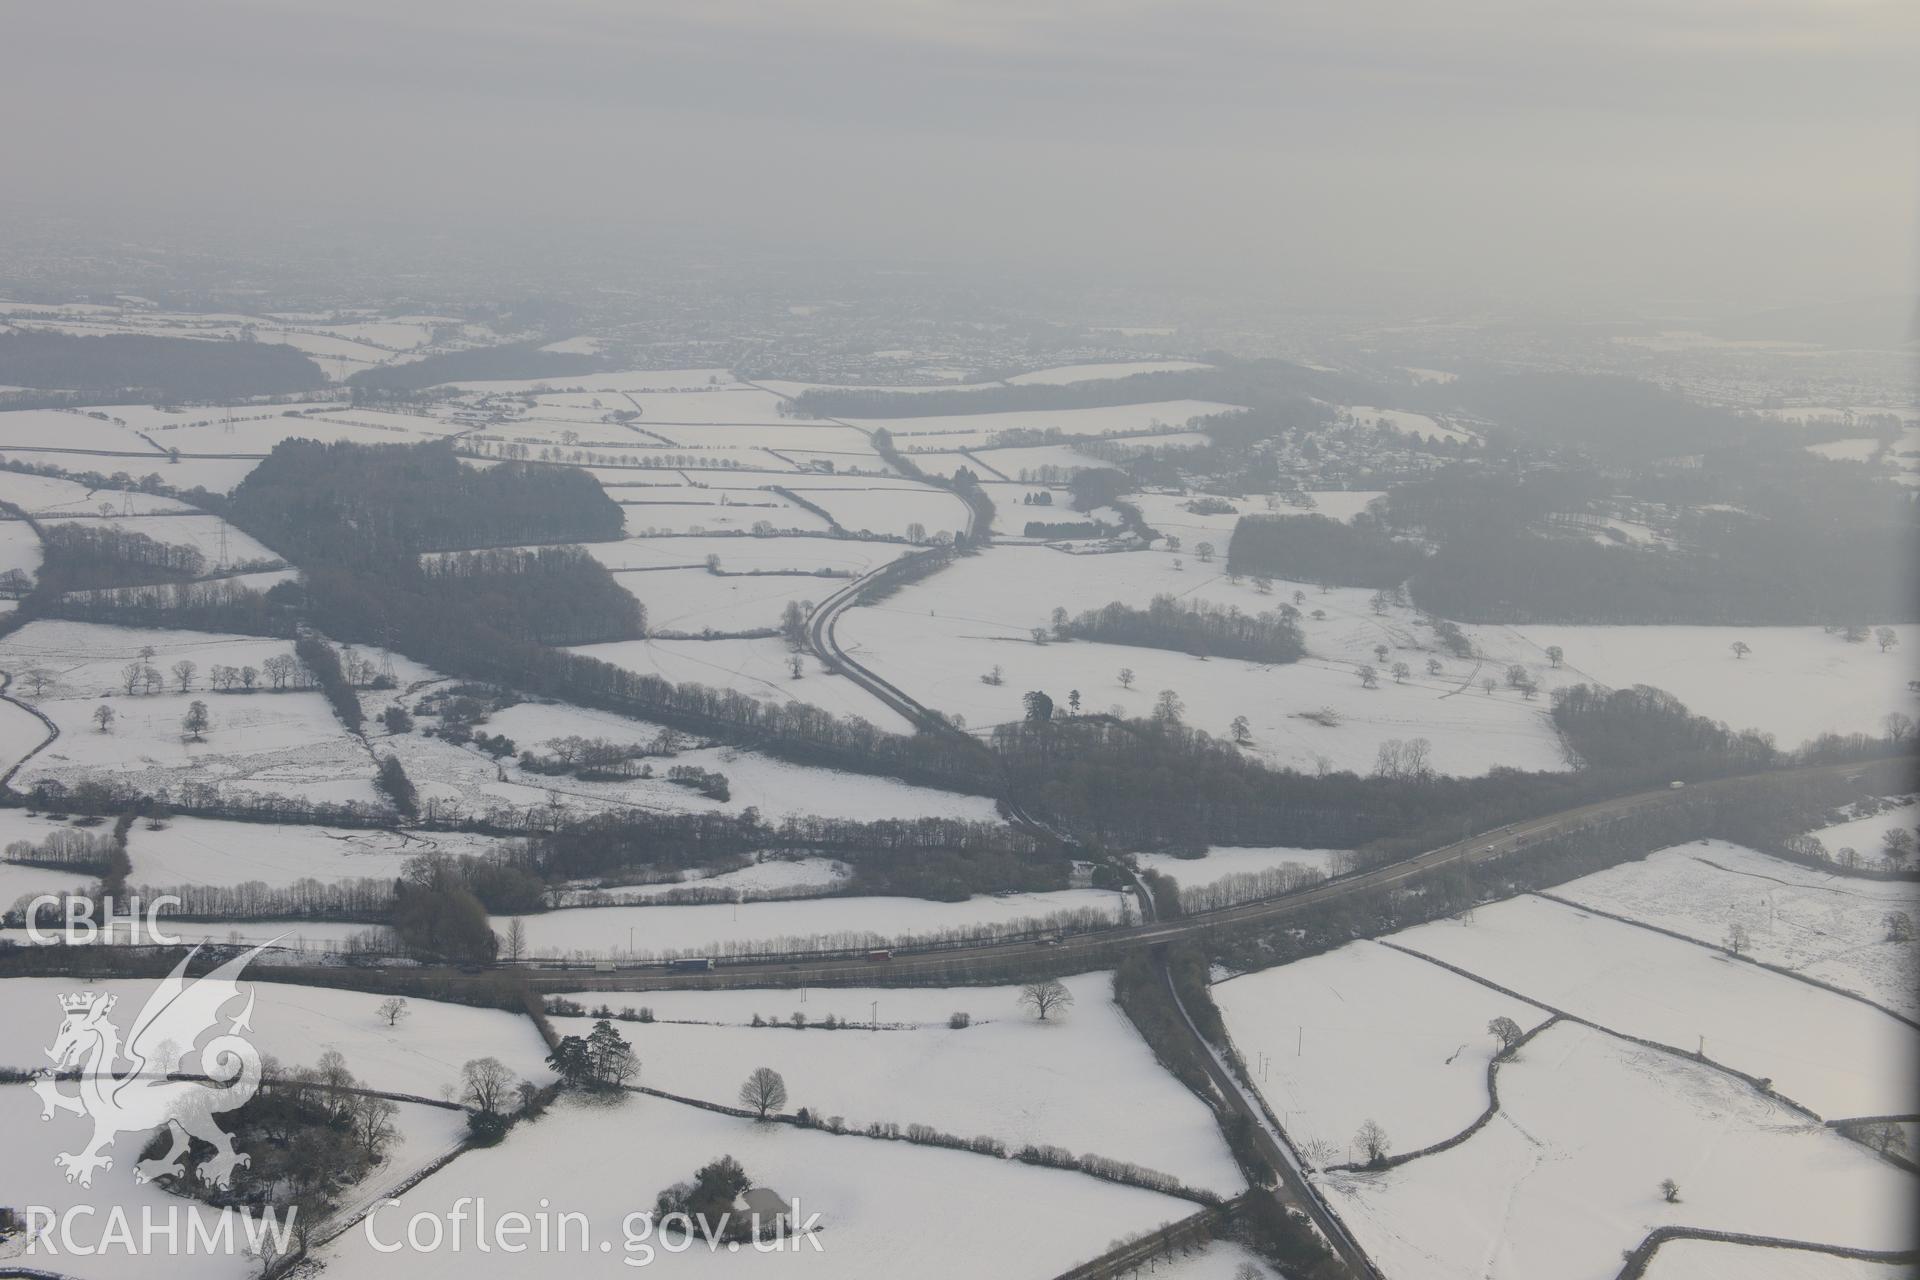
[[1756, 149]]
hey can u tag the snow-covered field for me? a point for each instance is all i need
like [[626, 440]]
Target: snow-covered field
[[1083, 1080], [962, 430], [801, 436], [1829, 927], [819, 922], [772, 876], [222, 545], [208, 852], [255, 738], [17, 881], [693, 511], [260, 435], [43, 429], [1796, 683], [1366, 1033], [1167, 513], [1567, 1176], [890, 510], [1855, 450], [39, 495], [757, 668], [1833, 1055], [745, 554], [693, 600], [636, 380], [215, 475], [1711, 1260], [1071, 373], [939, 659], [29, 1176], [420, 1055], [718, 405], [20, 732], [593, 933], [1025, 463], [1218, 1260], [1223, 861], [776, 787], [86, 659], [19, 548], [1413, 424], [937, 638], [281, 742], [1867, 835], [887, 1209]]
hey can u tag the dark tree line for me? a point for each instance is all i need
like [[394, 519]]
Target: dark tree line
[[1198, 628], [213, 605], [937, 858], [1313, 548], [1609, 728], [82, 556], [364, 506], [1761, 536], [1161, 785], [513, 360], [318, 657], [436, 914], [1269, 388], [1612, 418], [137, 368], [1747, 572], [553, 595]]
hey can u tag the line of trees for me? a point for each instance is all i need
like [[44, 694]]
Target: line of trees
[[216, 604], [85, 556], [1608, 728], [1758, 536], [65, 849], [1199, 627], [1314, 548], [142, 369], [318, 658]]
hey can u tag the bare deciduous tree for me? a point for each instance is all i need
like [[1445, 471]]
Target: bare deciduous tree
[[763, 1092], [392, 1009], [485, 1084], [1045, 997], [1373, 1142], [373, 1126]]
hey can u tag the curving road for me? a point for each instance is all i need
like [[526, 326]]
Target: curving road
[[820, 636]]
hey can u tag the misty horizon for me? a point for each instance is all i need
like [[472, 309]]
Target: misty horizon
[[1726, 157]]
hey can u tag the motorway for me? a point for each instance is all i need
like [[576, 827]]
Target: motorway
[[1074, 949]]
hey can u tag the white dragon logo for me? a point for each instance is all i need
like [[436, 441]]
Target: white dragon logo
[[148, 1095]]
